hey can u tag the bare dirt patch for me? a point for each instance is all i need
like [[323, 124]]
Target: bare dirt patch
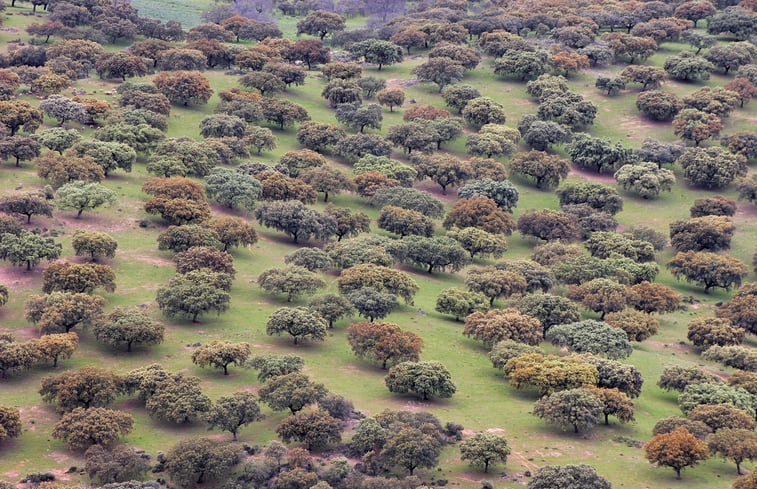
[[412, 406], [436, 191], [93, 222], [746, 212], [222, 209], [549, 454], [592, 177], [639, 127], [524, 461], [676, 347], [158, 261], [397, 83], [524, 102], [59, 457], [19, 276], [61, 474], [24, 333]]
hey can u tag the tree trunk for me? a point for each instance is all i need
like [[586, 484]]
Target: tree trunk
[[575, 428], [607, 419], [226, 372], [28, 265], [486, 466], [296, 340], [55, 361], [430, 268], [194, 317], [199, 479], [234, 435], [128, 346], [738, 468], [678, 473], [78, 214], [325, 196]]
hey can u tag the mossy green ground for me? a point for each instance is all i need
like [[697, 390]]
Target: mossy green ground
[[484, 401]]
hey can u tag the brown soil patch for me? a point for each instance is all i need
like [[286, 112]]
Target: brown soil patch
[[525, 101], [746, 212], [412, 406], [93, 222], [591, 176], [19, 276], [158, 261], [397, 83], [721, 375], [59, 457], [31, 415], [222, 209], [61, 474], [24, 333], [130, 405], [524, 461], [436, 191], [638, 126], [548, 454], [677, 347]]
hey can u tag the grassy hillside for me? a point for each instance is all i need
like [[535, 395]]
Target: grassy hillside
[[484, 400]]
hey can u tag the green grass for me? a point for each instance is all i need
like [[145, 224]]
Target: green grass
[[484, 399], [187, 12]]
